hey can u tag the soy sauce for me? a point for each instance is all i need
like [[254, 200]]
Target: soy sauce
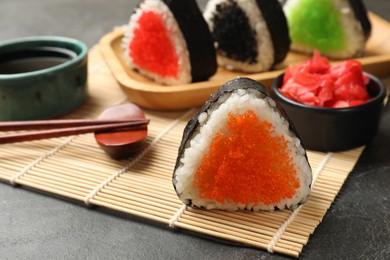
[[33, 59]]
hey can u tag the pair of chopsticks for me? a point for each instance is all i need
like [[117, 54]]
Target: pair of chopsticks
[[64, 127]]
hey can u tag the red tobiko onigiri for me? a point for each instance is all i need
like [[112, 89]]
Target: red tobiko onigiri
[[169, 42]]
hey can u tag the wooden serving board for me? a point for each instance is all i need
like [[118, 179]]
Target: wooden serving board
[[149, 94], [76, 168]]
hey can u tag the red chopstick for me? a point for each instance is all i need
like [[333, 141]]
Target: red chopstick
[[57, 123], [59, 128]]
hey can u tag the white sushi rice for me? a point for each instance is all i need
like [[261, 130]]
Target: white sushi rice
[[213, 121], [353, 32], [175, 34], [266, 53]]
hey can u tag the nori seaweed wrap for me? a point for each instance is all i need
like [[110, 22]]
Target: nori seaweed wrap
[[240, 151], [250, 35], [337, 28], [169, 41]]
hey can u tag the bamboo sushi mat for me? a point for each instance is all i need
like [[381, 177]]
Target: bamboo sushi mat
[[75, 167]]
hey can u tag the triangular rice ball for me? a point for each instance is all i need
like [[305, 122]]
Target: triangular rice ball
[[241, 152], [337, 28], [169, 42], [250, 35]]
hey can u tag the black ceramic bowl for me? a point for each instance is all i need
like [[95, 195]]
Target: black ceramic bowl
[[335, 129]]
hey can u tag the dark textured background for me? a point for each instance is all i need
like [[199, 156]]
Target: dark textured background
[[37, 226]]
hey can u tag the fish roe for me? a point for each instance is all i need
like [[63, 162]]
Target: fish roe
[[249, 163], [151, 48]]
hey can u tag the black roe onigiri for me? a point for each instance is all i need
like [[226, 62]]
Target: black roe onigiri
[[337, 28], [241, 152], [169, 41], [250, 35]]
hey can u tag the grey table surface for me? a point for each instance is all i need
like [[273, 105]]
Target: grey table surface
[[37, 226]]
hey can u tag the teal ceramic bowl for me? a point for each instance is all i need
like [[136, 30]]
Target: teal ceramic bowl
[[41, 77]]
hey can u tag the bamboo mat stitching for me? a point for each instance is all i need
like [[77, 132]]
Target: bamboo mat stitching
[[92, 194], [177, 215], [14, 179], [275, 239], [320, 168]]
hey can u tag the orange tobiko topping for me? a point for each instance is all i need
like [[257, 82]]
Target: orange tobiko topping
[[151, 48], [249, 163]]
